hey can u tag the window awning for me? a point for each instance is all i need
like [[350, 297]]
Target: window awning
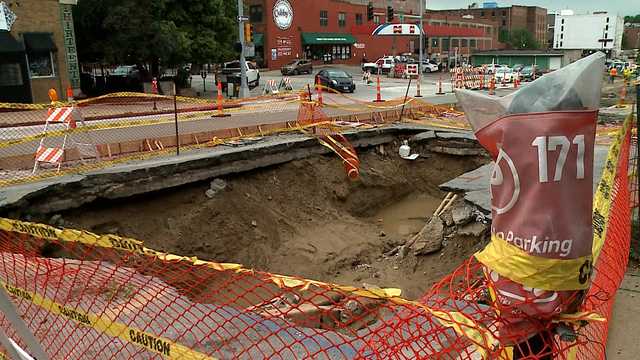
[[327, 38], [258, 39], [8, 44], [39, 42]]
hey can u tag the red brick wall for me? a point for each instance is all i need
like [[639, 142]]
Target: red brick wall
[[306, 18], [632, 36]]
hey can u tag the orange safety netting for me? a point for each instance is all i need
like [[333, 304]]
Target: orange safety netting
[[89, 296]]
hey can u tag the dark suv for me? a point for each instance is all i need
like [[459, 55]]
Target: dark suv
[[297, 67]]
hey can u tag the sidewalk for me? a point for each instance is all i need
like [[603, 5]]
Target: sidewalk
[[624, 331]]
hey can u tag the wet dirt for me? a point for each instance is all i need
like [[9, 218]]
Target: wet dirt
[[303, 218]]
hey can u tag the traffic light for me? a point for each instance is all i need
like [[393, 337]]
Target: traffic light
[[370, 12], [389, 14], [248, 32]]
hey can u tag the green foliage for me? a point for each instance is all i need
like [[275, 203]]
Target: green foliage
[[632, 19], [169, 32], [521, 39]]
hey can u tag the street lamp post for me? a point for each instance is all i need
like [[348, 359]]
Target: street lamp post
[[421, 9], [244, 90]]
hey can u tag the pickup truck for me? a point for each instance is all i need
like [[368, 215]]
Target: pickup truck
[[385, 65], [230, 73]]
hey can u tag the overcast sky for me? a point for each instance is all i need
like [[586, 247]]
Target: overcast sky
[[621, 7]]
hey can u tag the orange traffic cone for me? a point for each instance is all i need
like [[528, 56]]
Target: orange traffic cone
[[378, 94], [319, 91], [69, 93], [492, 85], [219, 102], [439, 91]]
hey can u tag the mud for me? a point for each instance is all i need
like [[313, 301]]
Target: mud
[[303, 218]]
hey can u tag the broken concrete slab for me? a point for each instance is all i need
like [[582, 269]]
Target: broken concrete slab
[[423, 136], [472, 229], [462, 214], [429, 239], [468, 135], [143, 176]]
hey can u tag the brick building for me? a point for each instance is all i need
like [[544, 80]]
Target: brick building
[[632, 37], [288, 29], [38, 52], [532, 18]]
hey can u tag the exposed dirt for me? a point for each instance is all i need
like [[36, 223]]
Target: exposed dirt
[[303, 218]]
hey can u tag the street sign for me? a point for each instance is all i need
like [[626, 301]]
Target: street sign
[[249, 50], [243, 18]]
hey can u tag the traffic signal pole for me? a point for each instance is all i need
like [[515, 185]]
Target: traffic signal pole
[[421, 9], [244, 89]]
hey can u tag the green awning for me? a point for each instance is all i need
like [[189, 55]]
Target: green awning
[[258, 39], [39, 42], [8, 44], [327, 38]]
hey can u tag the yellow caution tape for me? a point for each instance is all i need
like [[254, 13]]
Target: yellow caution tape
[[534, 271], [146, 340], [602, 198]]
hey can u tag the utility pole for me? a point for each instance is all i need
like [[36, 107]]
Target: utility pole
[[244, 89], [421, 9]]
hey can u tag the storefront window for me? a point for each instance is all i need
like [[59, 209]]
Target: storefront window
[[324, 18], [255, 13], [40, 64], [472, 43], [10, 74], [455, 43], [464, 43], [358, 19], [445, 44], [435, 42], [342, 19], [376, 19]]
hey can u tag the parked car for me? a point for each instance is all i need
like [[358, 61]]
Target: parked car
[[527, 72], [230, 73], [504, 75], [429, 66], [517, 67], [384, 65], [336, 79], [492, 68], [299, 66]]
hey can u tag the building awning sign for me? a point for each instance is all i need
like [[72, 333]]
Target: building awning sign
[[397, 30], [8, 44], [7, 17], [39, 42], [327, 38]]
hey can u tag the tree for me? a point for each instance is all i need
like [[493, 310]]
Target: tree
[[522, 39], [632, 19], [168, 32]]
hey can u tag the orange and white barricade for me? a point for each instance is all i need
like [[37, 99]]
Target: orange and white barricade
[[270, 88], [285, 84], [68, 117]]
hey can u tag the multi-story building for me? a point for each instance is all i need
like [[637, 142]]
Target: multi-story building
[[632, 36], [288, 29], [37, 50], [597, 31], [508, 19], [551, 26]]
